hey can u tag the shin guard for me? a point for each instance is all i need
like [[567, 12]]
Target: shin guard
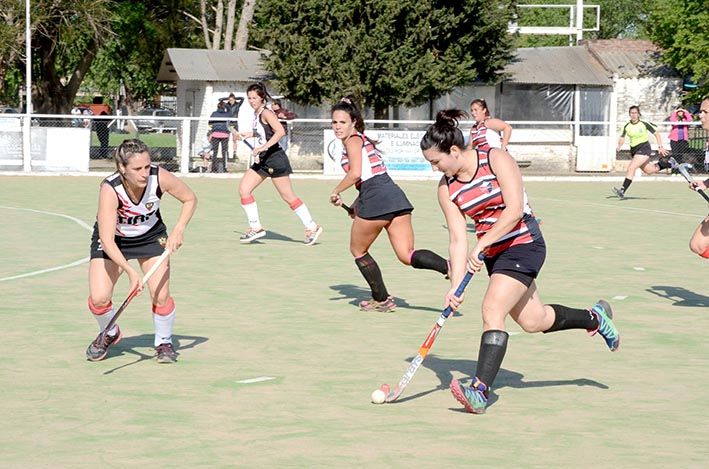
[[425, 259], [493, 346]]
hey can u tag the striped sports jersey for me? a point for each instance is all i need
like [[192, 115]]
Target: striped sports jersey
[[133, 220], [372, 162], [638, 132], [481, 199], [484, 138]]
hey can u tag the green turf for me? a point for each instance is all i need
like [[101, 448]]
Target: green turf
[[279, 309]]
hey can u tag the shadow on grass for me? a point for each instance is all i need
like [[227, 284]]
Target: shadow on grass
[[680, 296], [271, 236], [128, 345], [505, 378], [355, 294]]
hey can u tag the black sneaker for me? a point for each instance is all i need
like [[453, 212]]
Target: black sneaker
[[165, 353], [99, 348]]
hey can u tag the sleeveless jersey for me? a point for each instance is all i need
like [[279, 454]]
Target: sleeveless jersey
[[372, 161], [638, 133], [481, 199], [262, 132], [133, 220], [484, 138]]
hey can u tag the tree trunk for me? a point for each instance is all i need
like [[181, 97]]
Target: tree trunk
[[205, 26], [49, 95], [229, 33], [218, 23], [242, 33]]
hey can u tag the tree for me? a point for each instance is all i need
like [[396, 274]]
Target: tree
[[12, 39], [386, 52], [218, 27], [66, 37], [680, 29]]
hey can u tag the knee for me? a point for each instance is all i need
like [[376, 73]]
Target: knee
[[99, 305]]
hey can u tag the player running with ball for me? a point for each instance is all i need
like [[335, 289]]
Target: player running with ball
[[487, 187], [129, 226]]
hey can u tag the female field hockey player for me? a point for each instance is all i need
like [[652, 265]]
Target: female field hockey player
[[487, 187], [487, 132], [699, 243], [269, 161], [381, 204], [638, 131], [129, 226]]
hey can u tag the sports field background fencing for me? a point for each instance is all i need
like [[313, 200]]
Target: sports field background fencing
[[276, 363]]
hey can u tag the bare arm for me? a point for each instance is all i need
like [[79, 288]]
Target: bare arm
[[457, 242], [353, 146], [174, 186], [502, 127], [663, 151]]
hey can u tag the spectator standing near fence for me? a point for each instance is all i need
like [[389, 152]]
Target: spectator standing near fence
[[284, 115], [679, 135], [219, 137], [638, 132], [270, 161], [487, 132]]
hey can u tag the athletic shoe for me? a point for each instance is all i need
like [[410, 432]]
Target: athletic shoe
[[385, 306], [603, 312], [252, 235], [473, 398], [619, 192], [312, 235], [99, 348], [165, 353]]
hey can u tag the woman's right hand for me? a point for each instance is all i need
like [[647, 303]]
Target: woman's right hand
[[136, 280], [453, 301]]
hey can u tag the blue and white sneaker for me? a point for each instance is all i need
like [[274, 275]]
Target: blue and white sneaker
[[603, 312], [619, 192], [472, 397]]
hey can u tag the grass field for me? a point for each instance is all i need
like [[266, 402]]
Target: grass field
[[279, 310]]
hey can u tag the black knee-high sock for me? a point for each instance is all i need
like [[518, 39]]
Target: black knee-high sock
[[663, 164], [493, 345], [425, 259], [626, 183], [572, 318], [371, 273]]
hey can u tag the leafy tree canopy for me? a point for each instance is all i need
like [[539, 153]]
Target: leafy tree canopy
[[386, 52], [680, 28]]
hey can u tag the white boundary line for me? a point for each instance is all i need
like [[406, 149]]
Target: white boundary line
[[51, 269]]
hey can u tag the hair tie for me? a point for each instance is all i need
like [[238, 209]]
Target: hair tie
[[346, 100]]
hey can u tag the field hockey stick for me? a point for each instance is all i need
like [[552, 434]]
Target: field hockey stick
[[683, 171], [427, 344], [347, 208], [132, 294]]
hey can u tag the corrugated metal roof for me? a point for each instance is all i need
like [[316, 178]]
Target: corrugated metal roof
[[571, 65], [629, 58], [212, 65]]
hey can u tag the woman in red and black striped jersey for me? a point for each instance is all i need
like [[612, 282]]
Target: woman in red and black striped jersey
[[129, 226], [487, 132], [380, 205], [487, 187]]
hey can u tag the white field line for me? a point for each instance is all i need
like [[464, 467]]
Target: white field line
[[52, 269], [256, 380]]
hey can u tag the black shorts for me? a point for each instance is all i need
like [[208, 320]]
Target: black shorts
[[149, 245], [273, 163], [641, 149], [381, 199], [522, 262]]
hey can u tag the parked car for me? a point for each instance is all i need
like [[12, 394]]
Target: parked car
[[154, 123], [8, 110]]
